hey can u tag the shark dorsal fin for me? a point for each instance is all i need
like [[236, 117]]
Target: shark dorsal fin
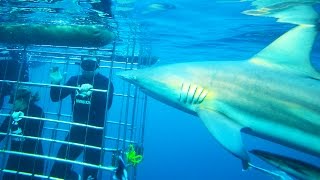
[[290, 52]]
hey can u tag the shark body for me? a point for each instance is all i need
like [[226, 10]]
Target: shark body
[[274, 95]]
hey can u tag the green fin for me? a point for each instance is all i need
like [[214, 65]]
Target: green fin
[[290, 52], [226, 132]]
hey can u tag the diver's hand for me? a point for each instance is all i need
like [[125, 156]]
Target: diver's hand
[[55, 75], [16, 116], [85, 89]]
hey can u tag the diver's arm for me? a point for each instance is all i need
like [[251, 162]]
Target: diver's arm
[[58, 93]]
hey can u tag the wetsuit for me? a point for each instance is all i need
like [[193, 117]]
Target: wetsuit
[[88, 110], [28, 127], [13, 68]]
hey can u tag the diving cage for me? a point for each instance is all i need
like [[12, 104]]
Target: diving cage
[[123, 130]]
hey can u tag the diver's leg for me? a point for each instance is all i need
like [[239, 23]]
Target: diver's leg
[[8, 176], [39, 162], [62, 169], [92, 156], [59, 169], [12, 164]]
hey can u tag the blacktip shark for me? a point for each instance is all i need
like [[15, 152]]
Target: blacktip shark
[[294, 167], [274, 95]]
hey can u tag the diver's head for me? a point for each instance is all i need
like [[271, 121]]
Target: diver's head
[[24, 97], [89, 65]]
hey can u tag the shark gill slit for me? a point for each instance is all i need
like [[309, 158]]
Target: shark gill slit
[[180, 98], [186, 101], [184, 93], [194, 93], [197, 100], [202, 96]]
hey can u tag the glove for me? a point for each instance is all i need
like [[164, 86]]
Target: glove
[[16, 116], [85, 89], [55, 75]]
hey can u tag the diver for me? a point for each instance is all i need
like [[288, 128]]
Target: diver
[[16, 127], [13, 67], [88, 108]]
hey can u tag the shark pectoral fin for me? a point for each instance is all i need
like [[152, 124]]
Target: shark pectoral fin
[[226, 132]]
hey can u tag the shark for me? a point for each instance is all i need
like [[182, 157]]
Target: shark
[[274, 95], [294, 167]]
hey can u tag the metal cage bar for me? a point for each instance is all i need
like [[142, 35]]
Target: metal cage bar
[[123, 126]]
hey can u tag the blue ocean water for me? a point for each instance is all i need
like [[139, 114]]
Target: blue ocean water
[[178, 145]]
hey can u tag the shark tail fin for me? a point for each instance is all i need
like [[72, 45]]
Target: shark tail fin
[[291, 51]]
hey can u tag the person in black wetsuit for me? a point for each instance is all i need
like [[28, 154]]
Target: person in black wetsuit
[[23, 105], [88, 108], [13, 67]]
